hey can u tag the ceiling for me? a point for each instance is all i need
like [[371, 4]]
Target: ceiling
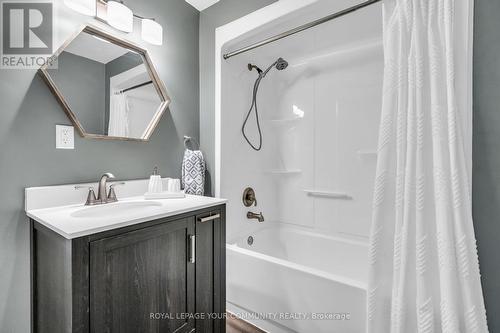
[[201, 4], [85, 45]]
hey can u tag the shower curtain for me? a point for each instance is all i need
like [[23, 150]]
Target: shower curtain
[[424, 271], [118, 115]]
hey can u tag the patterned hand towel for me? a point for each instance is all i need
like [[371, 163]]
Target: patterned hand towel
[[193, 172]]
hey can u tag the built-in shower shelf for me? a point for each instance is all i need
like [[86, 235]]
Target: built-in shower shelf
[[328, 194], [283, 172], [284, 121]]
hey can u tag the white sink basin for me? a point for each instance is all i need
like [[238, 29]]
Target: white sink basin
[[60, 208], [116, 209]]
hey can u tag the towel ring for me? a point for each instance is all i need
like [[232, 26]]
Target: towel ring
[[187, 139]]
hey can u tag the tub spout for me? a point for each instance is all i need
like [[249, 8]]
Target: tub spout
[[259, 217]]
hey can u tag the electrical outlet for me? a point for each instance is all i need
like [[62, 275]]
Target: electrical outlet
[[65, 137]]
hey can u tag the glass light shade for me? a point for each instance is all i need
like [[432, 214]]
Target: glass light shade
[[152, 32], [86, 7], [120, 16]]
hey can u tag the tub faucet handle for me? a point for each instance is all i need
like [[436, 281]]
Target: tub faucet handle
[[249, 198]]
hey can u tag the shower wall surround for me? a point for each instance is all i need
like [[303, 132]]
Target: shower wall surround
[[314, 169], [313, 177], [215, 16], [28, 116]]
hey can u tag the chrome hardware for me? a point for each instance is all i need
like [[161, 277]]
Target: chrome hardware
[[91, 199], [101, 191], [192, 249], [111, 193], [192, 140], [249, 198], [208, 218], [300, 28], [103, 197], [328, 194], [259, 217]]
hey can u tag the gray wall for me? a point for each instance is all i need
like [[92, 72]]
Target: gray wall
[[486, 152], [88, 107], [215, 16], [29, 113]]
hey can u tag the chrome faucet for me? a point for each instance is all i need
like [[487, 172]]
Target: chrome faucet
[[259, 217], [103, 196]]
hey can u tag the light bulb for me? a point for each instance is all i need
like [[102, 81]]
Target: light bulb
[[120, 16], [152, 32], [86, 7]]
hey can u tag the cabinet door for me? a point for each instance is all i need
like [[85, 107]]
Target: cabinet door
[[142, 281], [210, 254]]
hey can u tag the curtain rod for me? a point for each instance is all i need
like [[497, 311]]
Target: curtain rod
[[136, 86], [300, 28]]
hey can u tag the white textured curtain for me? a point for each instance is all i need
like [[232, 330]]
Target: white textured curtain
[[424, 271], [118, 115]]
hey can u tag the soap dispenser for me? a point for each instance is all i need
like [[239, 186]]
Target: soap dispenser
[[155, 182]]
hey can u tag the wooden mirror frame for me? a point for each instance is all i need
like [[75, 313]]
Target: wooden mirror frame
[[158, 84]]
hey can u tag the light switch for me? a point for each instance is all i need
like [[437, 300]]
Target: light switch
[[65, 137]]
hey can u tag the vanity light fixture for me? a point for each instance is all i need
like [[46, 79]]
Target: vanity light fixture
[[120, 16], [86, 7], [151, 31]]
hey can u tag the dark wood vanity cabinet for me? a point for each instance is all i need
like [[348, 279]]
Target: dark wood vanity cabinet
[[142, 274], [166, 275]]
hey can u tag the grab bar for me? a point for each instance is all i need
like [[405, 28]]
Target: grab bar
[[329, 194]]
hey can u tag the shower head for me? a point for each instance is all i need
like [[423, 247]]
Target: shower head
[[281, 64]]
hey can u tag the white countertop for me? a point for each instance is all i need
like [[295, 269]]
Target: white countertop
[[68, 220]]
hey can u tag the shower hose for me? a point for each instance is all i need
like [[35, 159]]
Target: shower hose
[[254, 105]]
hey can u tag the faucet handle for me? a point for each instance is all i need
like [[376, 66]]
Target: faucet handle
[[91, 199], [112, 194], [249, 198]]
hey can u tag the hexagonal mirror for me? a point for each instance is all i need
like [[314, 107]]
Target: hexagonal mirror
[[107, 86]]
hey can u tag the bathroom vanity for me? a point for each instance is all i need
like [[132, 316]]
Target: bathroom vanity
[[129, 266]]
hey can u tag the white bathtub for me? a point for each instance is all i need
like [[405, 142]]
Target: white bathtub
[[290, 271]]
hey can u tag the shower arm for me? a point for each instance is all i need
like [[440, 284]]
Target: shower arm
[[300, 28]]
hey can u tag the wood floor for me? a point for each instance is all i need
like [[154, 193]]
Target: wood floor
[[235, 325]]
